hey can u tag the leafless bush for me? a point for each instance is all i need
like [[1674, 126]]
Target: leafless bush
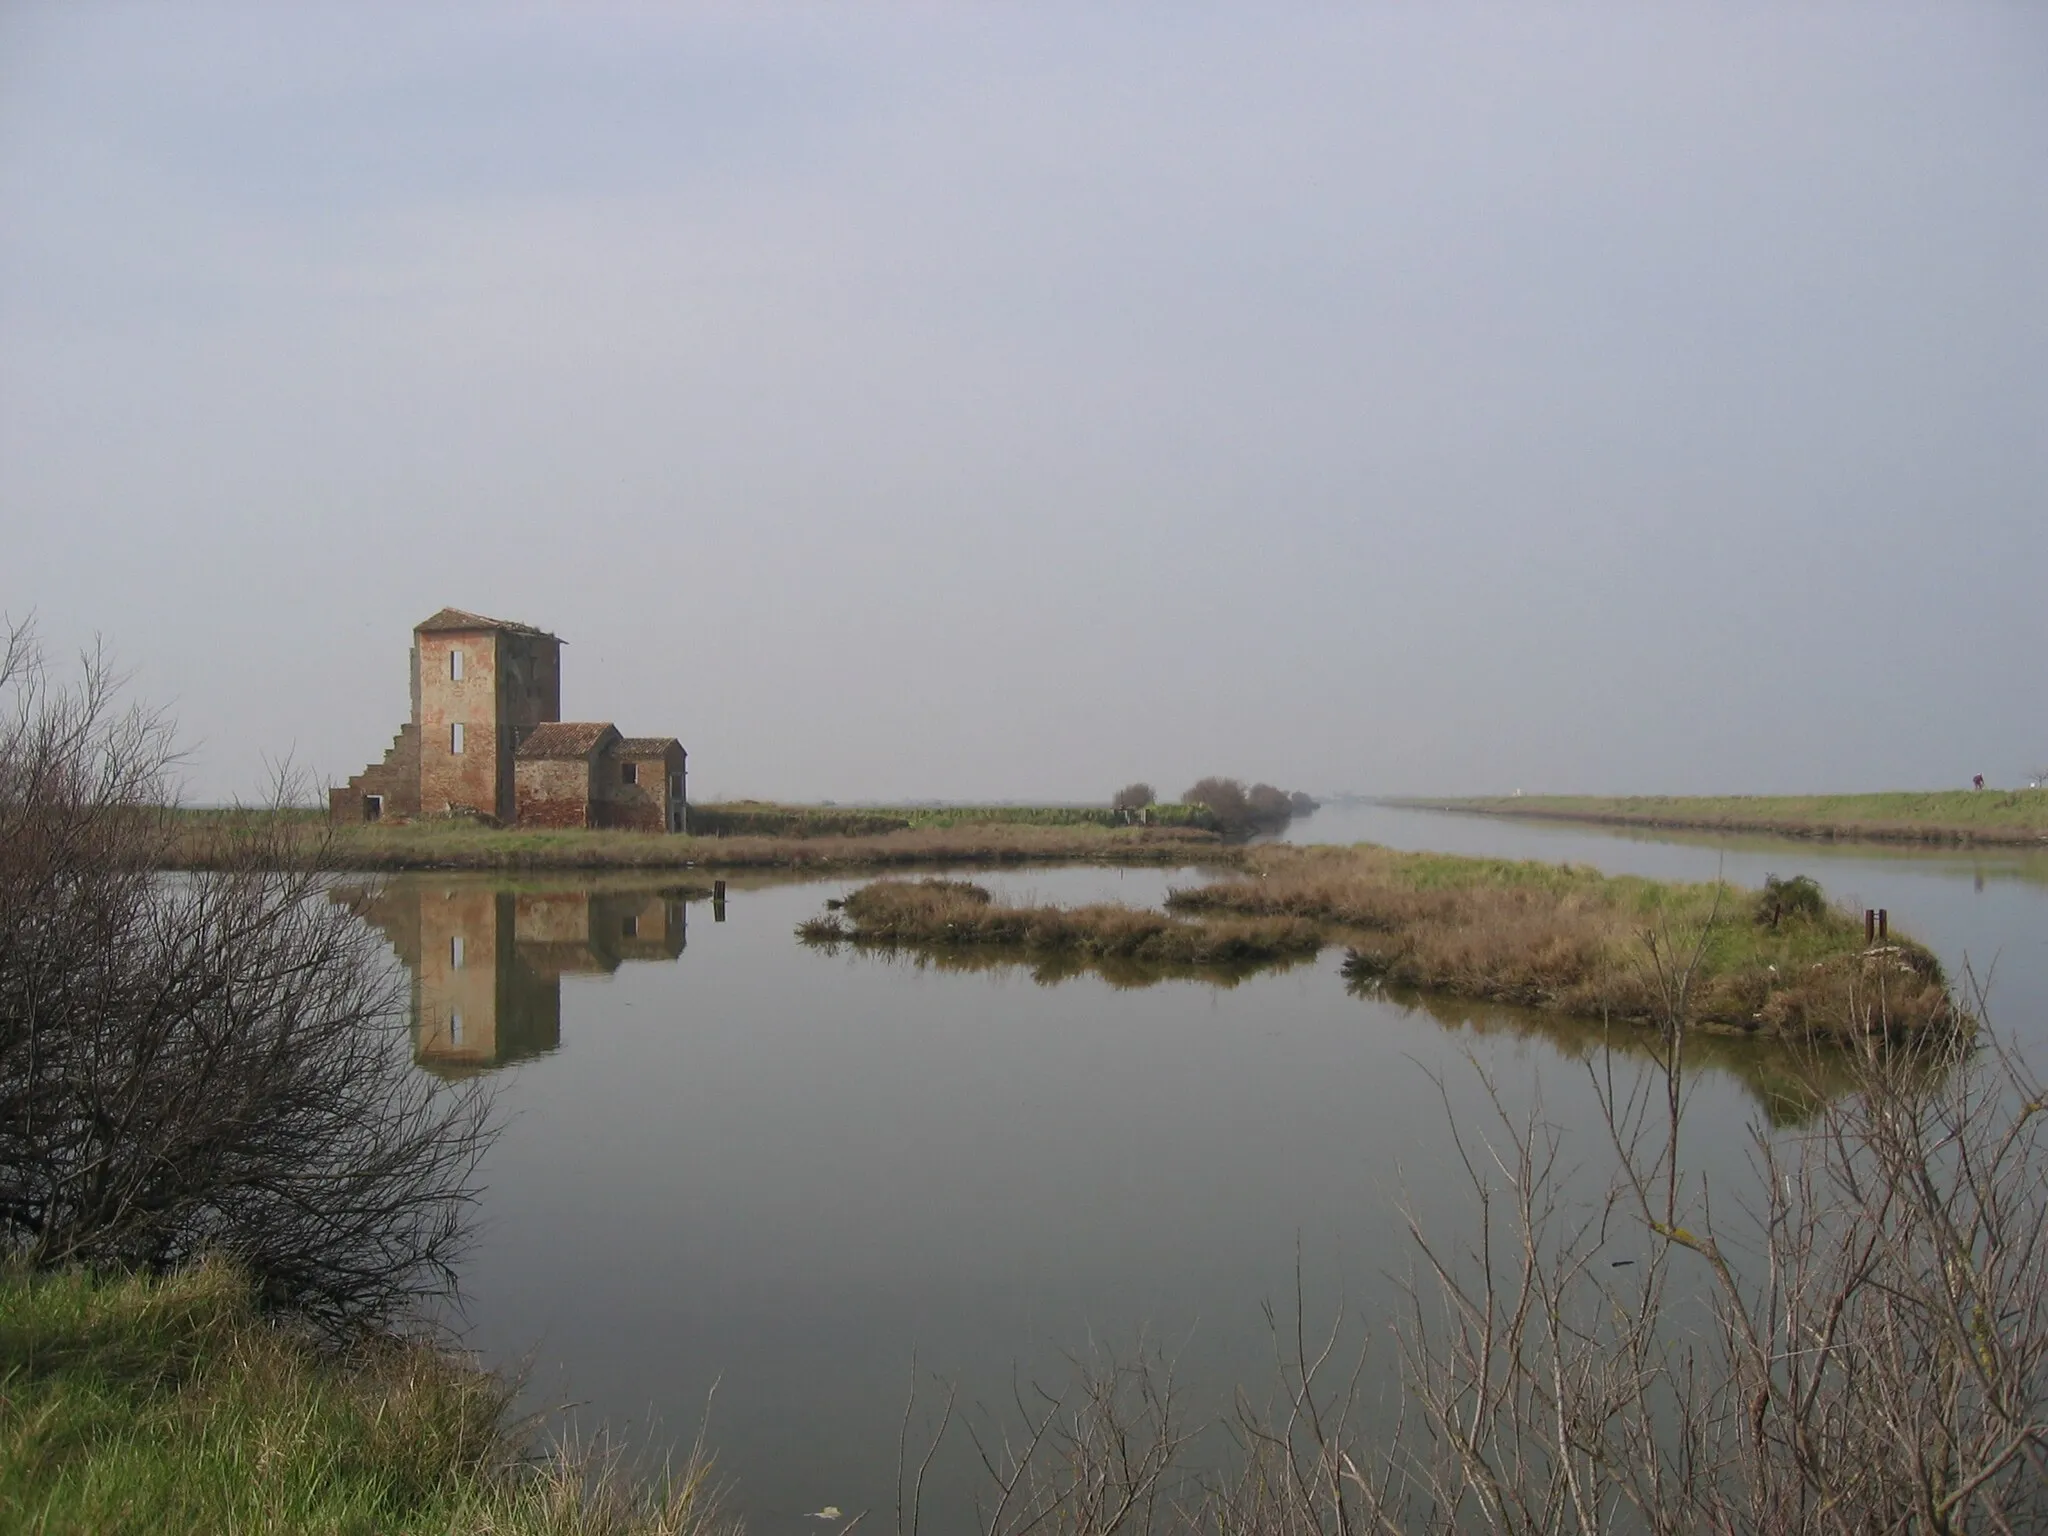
[[198, 1063], [1852, 1340], [1102, 1454], [1133, 797]]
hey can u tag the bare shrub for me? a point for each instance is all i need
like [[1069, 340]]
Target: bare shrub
[[1851, 1339], [1133, 797], [204, 1063], [1855, 1340]]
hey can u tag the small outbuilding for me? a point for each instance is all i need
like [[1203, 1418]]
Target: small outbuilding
[[558, 773], [578, 773], [647, 793]]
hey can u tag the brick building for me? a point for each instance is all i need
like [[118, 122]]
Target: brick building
[[487, 738]]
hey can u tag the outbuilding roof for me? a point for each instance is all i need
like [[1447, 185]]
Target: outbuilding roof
[[567, 738], [459, 619], [647, 746]]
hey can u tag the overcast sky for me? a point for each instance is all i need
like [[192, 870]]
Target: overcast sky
[[1014, 400]]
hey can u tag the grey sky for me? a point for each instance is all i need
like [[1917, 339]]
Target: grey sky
[[1016, 400]]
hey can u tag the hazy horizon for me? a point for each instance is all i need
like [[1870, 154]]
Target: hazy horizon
[[973, 404]]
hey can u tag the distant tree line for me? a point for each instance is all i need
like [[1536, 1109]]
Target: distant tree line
[[1239, 811]]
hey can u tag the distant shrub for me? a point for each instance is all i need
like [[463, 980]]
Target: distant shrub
[[1133, 797], [1269, 806], [1240, 811], [1224, 798], [1798, 898]]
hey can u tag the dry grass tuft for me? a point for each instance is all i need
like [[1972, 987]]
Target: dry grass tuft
[[952, 913]]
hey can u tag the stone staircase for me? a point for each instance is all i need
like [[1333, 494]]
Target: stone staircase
[[396, 780]]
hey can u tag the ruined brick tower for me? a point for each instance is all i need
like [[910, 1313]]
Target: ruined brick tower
[[479, 685], [481, 690]]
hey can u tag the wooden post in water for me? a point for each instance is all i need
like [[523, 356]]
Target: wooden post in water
[[718, 901], [1869, 926]]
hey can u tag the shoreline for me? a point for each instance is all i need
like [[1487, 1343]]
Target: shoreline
[[1669, 814], [353, 850]]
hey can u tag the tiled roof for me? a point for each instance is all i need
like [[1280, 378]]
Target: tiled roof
[[458, 619], [565, 738], [646, 746]]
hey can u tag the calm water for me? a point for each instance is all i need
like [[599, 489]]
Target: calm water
[[731, 1160]]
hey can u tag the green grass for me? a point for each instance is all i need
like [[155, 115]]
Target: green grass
[[134, 1405], [1956, 815]]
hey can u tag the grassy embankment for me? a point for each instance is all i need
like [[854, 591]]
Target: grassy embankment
[[762, 818], [799, 838], [138, 1405], [1942, 816], [1559, 938]]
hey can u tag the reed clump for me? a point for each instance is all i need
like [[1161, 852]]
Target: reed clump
[[1572, 940], [953, 913]]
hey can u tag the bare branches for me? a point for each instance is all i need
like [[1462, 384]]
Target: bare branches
[[1852, 1337], [202, 1063]]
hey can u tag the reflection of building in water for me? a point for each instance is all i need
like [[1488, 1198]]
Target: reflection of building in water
[[487, 965]]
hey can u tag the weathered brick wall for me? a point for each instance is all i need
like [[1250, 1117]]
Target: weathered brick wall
[[552, 792], [647, 804], [530, 680], [473, 776], [396, 778], [528, 693]]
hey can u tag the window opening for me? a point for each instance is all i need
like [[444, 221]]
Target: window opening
[[629, 773], [373, 807], [455, 736], [455, 666], [455, 1029], [630, 927], [455, 950]]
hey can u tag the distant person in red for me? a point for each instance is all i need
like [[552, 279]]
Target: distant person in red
[[1978, 781]]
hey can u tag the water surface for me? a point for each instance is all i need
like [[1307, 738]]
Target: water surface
[[732, 1160]]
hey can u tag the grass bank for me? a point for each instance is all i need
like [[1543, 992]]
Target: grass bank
[[138, 1405], [210, 841], [1568, 939], [1989, 816], [956, 915], [760, 818]]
